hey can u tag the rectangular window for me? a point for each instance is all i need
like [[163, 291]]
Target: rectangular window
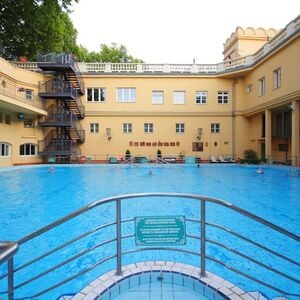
[[148, 127], [28, 149], [223, 97], [7, 119], [28, 123], [262, 86], [28, 94], [4, 149], [197, 146], [96, 94], [215, 127], [126, 95], [277, 78], [157, 97], [249, 88], [179, 127], [94, 127], [127, 127], [201, 97], [1, 117], [179, 97]]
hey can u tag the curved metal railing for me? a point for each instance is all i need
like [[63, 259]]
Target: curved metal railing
[[118, 238]]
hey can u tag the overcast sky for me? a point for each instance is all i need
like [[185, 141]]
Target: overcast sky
[[175, 31]]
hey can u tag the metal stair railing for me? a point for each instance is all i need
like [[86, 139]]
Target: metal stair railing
[[118, 238]]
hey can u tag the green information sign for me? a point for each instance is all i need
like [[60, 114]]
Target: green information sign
[[158, 231]]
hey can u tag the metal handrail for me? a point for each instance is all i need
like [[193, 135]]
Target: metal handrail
[[118, 239]]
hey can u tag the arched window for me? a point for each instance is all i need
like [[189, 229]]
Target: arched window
[[4, 149], [28, 149]]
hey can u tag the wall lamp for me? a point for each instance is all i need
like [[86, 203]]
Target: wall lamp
[[108, 133], [200, 132], [291, 107]]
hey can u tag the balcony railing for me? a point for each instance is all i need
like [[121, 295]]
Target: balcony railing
[[55, 87], [58, 147]]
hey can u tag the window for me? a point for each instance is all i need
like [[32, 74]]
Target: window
[[250, 88], [127, 128], [94, 127], [1, 117], [201, 97], [28, 149], [7, 119], [29, 123], [223, 97], [148, 127], [96, 94], [277, 78], [262, 86], [179, 97], [126, 95], [157, 97], [215, 127], [4, 149], [179, 127], [28, 94], [197, 147]]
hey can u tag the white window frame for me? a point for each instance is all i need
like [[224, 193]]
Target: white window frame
[[223, 97], [277, 78], [127, 127], [148, 127], [179, 127], [29, 94], [94, 127], [179, 97], [262, 86], [215, 127], [97, 94], [28, 149], [5, 150], [201, 97], [126, 95], [157, 97], [249, 88]]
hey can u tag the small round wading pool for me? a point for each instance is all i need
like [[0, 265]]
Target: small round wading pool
[[161, 280]]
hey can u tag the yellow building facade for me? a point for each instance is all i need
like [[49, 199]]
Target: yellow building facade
[[249, 101]]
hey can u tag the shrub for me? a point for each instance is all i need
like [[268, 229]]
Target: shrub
[[158, 153], [250, 157], [127, 154]]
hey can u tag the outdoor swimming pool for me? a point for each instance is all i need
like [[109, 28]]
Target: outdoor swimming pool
[[32, 197]]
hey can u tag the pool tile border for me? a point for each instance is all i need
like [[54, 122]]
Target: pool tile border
[[105, 282]]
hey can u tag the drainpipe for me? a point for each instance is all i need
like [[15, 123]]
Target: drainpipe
[[234, 83]]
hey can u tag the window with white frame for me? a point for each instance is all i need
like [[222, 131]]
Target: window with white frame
[[215, 127], [277, 78], [179, 127], [28, 149], [4, 149], [94, 127], [249, 88], [262, 86], [28, 94], [179, 97], [96, 94], [148, 127], [201, 97], [157, 97], [127, 127], [223, 97], [126, 95]]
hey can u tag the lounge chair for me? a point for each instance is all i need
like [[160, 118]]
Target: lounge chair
[[222, 160], [213, 159], [230, 159]]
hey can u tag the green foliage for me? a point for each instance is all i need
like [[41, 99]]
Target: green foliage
[[127, 154], [158, 154], [109, 54], [250, 157], [29, 27]]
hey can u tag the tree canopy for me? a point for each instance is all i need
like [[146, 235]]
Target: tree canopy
[[31, 27]]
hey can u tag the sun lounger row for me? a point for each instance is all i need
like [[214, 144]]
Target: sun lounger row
[[221, 159]]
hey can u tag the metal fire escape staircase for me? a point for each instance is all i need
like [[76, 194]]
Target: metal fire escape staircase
[[62, 92]]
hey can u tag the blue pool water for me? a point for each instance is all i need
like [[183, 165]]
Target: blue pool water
[[32, 197]]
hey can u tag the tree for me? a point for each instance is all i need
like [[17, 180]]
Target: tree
[[31, 26]]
